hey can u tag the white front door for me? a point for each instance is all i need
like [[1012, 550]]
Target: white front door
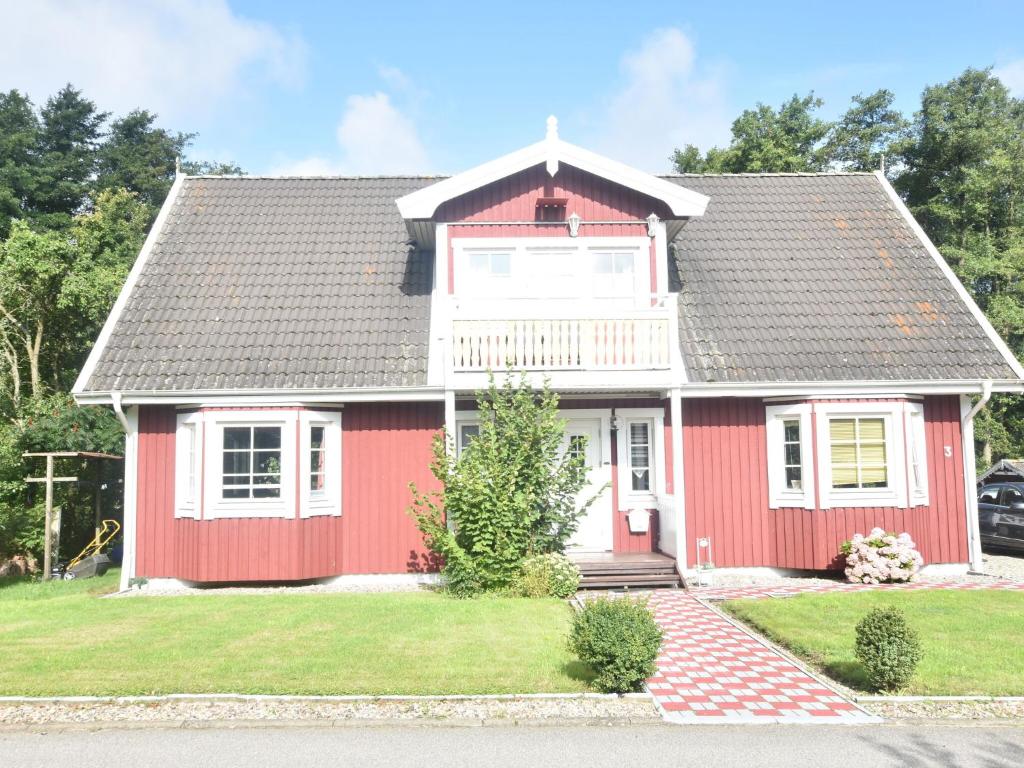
[[594, 533]]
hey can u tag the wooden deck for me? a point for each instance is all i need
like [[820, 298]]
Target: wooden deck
[[615, 570]]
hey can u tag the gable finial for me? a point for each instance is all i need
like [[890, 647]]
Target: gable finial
[[552, 127]]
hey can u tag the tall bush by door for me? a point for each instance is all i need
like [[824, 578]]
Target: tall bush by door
[[511, 493]]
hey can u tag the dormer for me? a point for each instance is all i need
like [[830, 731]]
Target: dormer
[[551, 182]]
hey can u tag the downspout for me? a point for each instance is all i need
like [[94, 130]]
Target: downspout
[[131, 475], [970, 474]]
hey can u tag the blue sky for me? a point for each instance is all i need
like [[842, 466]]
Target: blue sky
[[382, 87]]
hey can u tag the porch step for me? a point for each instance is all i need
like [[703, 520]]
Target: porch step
[[609, 570]]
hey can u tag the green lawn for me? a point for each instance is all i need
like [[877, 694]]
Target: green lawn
[[60, 639], [973, 642]]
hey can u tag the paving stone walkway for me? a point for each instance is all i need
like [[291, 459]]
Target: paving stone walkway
[[711, 671]]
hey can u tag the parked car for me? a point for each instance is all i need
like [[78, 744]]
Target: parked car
[[1001, 515]]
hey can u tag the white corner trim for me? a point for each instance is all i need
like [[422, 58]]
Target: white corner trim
[[779, 496], [423, 203], [975, 310], [127, 288]]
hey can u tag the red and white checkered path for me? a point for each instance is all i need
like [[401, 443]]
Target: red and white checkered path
[[750, 592], [711, 671]]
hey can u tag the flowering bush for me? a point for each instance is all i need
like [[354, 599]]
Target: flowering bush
[[881, 557], [550, 575]]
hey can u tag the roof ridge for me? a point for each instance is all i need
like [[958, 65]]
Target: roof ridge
[[310, 176], [766, 174]]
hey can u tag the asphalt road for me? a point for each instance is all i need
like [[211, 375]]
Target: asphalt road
[[591, 746]]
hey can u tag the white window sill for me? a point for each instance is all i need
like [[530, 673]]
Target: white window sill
[[320, 509], [874, 498], [247, 508]]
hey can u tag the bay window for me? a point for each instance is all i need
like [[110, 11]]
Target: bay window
[[257, 463], [846, 454]]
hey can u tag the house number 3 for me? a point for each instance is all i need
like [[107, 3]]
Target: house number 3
[[948, 451]]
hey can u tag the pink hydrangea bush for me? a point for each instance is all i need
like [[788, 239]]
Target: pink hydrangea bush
[[881, 557]]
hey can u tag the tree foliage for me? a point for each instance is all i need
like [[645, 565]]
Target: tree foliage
[[77, 196], [511, 493]]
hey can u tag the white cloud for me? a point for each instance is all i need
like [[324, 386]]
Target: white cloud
[[1012, 75], [374, 137], [173, 57], [666, 100]]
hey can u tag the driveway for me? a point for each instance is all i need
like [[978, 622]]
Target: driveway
[[498, 746]]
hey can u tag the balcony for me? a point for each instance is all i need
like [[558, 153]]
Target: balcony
[[622, 340]]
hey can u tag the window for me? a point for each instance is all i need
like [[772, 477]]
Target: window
[[550, 268], [640, 455], [188, 467], [989, 496], [252, 463], [1011, 496], [320, 463], [917, 464], [858, 449], [790, 468], [317, 451], [467, 434]]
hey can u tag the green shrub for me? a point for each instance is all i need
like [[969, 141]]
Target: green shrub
[[888, 647], [550, 575], [619, 640]]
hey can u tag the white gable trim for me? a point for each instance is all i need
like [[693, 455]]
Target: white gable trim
[[929, 246], [423, 203], [129, 285]]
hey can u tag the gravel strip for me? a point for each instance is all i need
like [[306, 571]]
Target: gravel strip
[[947, 710], [1004, 565], [470, 711]]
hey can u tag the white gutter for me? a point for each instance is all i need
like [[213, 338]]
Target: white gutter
[[971, 472], [130, 424]]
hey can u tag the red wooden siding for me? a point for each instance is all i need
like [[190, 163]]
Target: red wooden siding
[[384, 447], [514, 198], [725, 459]]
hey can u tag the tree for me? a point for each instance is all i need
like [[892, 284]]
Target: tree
[[19, 163], [867, 132], [210, 168], [68, 139], [766, 141], [511, 493], [141, 158], [964, 181]]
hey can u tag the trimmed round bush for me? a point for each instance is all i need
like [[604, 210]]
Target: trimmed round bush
[[549, 575], [881, 557], [888, 647], [619, 640]]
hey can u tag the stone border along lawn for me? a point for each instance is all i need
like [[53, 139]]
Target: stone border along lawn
[[59, 640], [973, 643]]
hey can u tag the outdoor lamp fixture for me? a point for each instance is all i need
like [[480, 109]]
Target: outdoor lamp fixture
[[652, 224], [613, 423], [574, 224]]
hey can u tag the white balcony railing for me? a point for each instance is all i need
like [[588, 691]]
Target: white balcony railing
[[628, 340]]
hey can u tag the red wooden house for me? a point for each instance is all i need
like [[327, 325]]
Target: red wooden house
[[772, 362]]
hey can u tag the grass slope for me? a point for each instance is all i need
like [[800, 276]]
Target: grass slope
[[973, 642], [59, 639]]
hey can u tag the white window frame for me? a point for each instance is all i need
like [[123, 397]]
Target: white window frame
[[917, 443], [468, 289], [216, 506], [328, 502], [779, 495], [655, 417], [188, 465], [893, 495]]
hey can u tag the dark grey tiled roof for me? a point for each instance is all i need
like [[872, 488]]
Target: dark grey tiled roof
[[309, 283], [276, 283], [817, 278]]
